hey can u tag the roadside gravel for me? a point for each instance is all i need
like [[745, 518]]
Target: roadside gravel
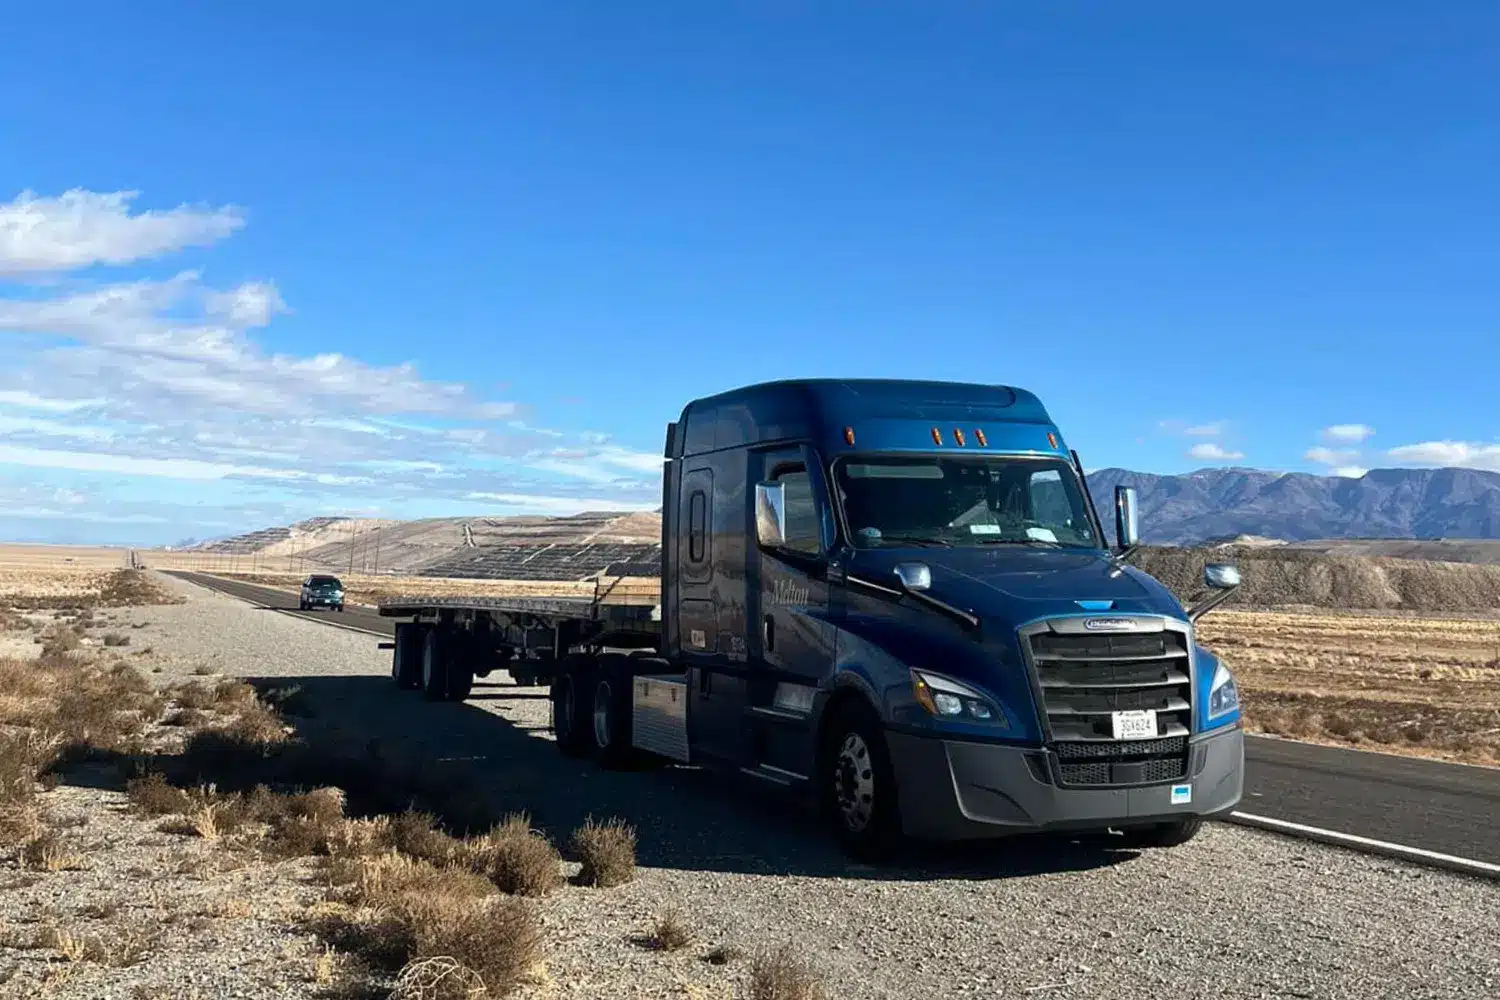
[[1235, 913]]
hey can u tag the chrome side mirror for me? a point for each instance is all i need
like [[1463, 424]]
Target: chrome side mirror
[[1221, 576], [1223, 579], [770, 514], [1127, 518], [914, 576]]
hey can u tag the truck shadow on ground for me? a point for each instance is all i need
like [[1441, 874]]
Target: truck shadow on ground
[[685, 818]]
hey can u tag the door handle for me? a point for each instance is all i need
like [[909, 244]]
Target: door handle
[[768, 632]]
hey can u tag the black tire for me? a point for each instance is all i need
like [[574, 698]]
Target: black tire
[[610, 713], [406, 659], [435, 661], [1173, 834], [857, 785], [339, 609], [570, 699], [301, 605], [460, 681]]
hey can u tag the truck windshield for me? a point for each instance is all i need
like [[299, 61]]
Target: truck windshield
[[968, 500]]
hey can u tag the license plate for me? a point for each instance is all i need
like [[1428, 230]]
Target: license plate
[[1134, 725]]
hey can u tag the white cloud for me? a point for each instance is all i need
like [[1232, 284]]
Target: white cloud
[[167, 379], [250, 305], [1448, 454], [82, 228], [1210, 452], [1181, 428], [1349, 472], [1347, 433], [166, 468], [540, 504], [31, 401], [1330, 456]]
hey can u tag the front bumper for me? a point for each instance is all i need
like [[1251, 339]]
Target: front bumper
[[955, 790], [313, 600]]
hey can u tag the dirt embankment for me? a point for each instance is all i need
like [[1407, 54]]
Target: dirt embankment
[[1279, 578]]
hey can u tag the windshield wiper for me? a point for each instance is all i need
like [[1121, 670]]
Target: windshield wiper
[[1024, 541], [916, 540]]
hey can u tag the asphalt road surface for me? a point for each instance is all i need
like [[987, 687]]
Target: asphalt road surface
[[1452, 809]]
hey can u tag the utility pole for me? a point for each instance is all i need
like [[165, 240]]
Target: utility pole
[[377, 552], [352, 539]]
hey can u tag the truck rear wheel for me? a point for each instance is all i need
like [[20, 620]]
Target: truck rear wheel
[[572, 699], [857, 784], [434, 664], [611, 713], [406, 660], [1173, 834]]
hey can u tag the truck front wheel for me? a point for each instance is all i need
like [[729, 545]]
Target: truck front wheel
[[858, 785], [1173, 834]]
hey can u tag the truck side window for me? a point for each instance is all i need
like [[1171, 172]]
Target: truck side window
[[803, 533], [697, 527]]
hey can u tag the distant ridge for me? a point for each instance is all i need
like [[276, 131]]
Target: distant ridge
[[1221, 504]]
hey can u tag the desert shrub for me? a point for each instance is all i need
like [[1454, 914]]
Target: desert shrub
[[607, 852], [781, 975], [518, 859], [671, 932], [114, 639], [151, 795]]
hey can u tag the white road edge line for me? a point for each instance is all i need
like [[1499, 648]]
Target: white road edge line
[[1418, 855]]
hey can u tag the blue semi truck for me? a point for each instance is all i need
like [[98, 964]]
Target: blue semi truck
[[896, 597]]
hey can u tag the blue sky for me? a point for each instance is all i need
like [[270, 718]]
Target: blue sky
[[265, 261]]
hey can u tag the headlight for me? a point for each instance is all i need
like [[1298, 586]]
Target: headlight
[[948, 699], [1223, 696]]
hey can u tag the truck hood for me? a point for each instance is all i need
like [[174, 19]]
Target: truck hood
[[1019, 584]]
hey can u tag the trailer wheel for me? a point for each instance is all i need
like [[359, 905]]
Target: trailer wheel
[[570, 699], [1173, 834], [611, 712], [406, 660], [435, 656], [460, 679], [857, 784]]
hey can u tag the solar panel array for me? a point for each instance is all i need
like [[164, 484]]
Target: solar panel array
[[545, 562]]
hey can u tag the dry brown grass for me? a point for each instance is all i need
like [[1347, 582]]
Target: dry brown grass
[[58, 585], [1412, 685], [607, 852], [782, 975]]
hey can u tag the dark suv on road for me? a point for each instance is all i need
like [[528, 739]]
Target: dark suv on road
[[319, 591]]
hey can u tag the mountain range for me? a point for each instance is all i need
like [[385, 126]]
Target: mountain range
[[1219, 504]]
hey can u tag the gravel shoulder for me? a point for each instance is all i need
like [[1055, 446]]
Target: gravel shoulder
[[1235, 913]]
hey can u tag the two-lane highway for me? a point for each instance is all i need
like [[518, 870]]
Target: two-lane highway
[[1425, 805]]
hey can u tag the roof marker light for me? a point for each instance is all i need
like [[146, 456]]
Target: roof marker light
[[1052, 439], [848, 435], [979, 436], [937, 436], [958, 436]]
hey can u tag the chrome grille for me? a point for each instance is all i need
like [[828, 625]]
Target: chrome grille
[[1081, 678]]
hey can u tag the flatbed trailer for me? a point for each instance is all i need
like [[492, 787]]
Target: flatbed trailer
[[472, 636], [895, 596]]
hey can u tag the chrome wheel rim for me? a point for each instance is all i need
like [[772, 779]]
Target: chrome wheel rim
[[854, 783], [601, 713]]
